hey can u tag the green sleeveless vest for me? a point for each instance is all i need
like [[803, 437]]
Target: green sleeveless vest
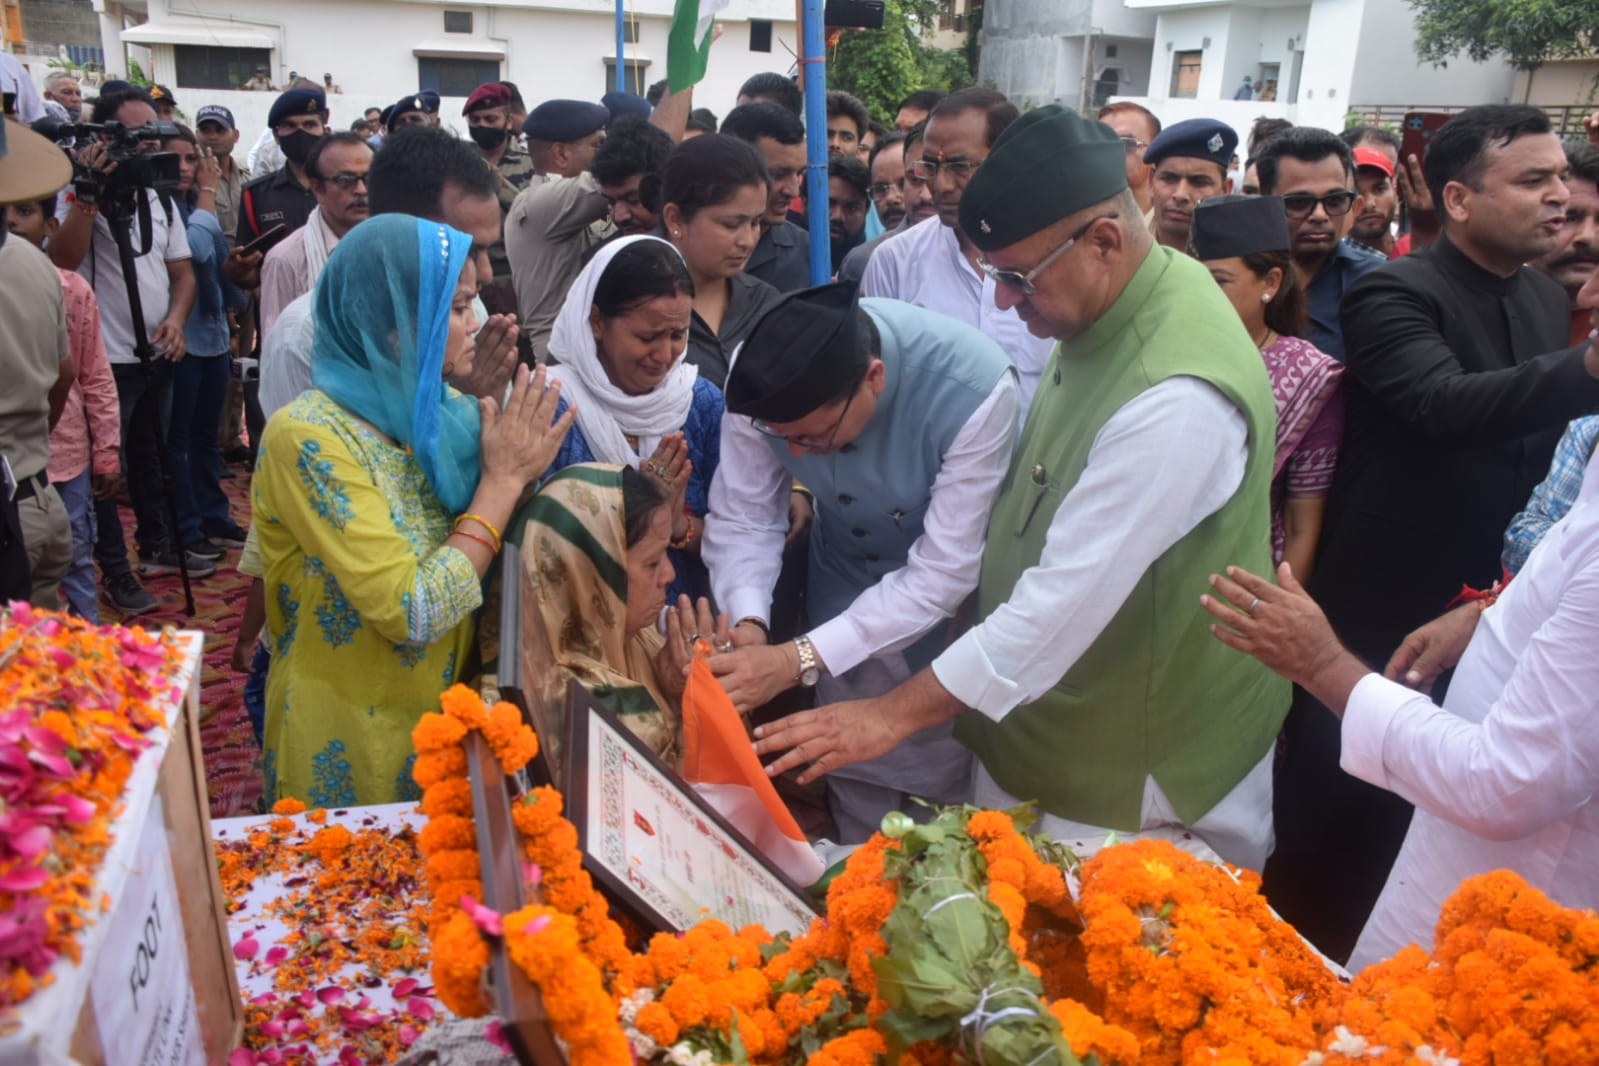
[[1156, 693]]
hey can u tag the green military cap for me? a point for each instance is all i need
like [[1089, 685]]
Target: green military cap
[[1050, 163]]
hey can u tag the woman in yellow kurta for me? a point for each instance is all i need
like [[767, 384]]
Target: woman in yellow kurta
[[379, 497]]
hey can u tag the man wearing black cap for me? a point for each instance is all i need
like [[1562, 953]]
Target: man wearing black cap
[[488, 120], [902, 422], [166, 105], [410, 110], [284, 196], [935, 266], [1190, 160], [1092, 684], [1314, 172]]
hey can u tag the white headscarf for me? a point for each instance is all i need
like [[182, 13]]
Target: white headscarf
[[605, 413]]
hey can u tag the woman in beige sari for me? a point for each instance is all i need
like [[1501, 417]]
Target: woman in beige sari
[[594, 543]]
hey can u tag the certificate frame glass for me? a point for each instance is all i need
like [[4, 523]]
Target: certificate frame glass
[[657, 849]]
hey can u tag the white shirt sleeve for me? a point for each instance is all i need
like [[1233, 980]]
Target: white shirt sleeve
[[746, 523], [1532, 761], [1160, 465], [943, 564], [177, 246]]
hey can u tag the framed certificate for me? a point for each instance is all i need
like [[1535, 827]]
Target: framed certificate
[[655, 846], [528, 676]]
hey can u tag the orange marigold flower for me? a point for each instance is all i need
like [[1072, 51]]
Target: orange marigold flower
[[657, 1023], [288, 805]]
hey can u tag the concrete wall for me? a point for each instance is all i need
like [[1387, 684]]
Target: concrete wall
[[551, 50], [1387, 71], [1032, 50], [1559, 84], [47, 24]]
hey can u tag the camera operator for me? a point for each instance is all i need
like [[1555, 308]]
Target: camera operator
[[166, 288]]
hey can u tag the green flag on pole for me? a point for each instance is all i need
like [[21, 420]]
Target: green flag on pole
[[688, 45]]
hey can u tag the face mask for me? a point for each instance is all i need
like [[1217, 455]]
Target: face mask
[[297, 146], [488, 138]]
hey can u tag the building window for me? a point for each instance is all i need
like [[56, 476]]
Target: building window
[[1185, 74], [453, 75], [1110, 51], [204, 66], [760, 35], [630, 30], [638, 75], [949, 13], [458, 22]]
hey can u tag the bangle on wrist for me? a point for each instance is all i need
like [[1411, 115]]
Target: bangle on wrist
[[473, 536], [686, 539], [487, 526]]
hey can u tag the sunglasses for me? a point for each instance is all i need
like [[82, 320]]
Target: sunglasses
[[1023, 283], [1303, 205]]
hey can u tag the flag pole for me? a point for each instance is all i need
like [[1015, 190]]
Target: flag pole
[[621, 47], [813, 69]]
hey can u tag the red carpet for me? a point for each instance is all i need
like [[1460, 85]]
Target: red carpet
[[232, 759]]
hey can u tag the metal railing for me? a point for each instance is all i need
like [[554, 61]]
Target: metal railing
[[1565, 118]]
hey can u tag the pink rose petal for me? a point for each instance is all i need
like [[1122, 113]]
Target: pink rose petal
[[271, 1029], [409, 1035], [79, 810], [536, 924], [420, 1008], [24, 879], [359, 1021], [406, 987], [493, 1035], [276, 955], [32, 841], [246, 948], [298, 1028], [488, 921], [531, 874], [242, 1056], [330, 994]]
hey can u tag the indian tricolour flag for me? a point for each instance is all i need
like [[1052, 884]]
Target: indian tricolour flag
[[688, 45], [721, 764]]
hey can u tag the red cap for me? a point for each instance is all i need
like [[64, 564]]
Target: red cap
[[489, 94], [1370, 157]]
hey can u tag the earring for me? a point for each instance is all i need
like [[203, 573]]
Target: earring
[[677, 233], [1265, 297]]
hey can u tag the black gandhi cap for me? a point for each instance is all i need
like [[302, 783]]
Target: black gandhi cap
[[798, 355]]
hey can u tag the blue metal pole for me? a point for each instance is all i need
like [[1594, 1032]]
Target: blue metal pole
[[621, 47], [813, 69]]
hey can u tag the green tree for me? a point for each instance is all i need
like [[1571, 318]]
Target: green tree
[[1526, 32], [884, 66]]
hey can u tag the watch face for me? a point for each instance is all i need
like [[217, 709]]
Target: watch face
[[810, 677]]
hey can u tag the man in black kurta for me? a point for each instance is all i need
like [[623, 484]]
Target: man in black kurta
[[1460, 381]]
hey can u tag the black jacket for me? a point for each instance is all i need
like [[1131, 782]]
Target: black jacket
[[749, 299], [1459, 384]]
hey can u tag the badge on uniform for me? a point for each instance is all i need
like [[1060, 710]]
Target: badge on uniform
[[1214, 144]]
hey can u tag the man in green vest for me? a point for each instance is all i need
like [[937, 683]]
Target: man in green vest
[[1092, 685]]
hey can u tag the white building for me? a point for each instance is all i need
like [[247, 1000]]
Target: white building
[[1034, 50], [380, 50], [1326, 58]]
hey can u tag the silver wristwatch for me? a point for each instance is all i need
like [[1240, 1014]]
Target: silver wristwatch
[[810, 671]]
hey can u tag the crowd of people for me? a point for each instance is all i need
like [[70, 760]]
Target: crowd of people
[[1087, 480]]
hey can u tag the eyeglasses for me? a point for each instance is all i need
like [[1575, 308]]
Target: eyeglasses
[[959, 169], [346, 182], [1133, 144], [883, 188], [810, 444], [1024, 282], [1303, 205]]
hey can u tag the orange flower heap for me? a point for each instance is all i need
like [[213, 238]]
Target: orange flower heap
[[1511, 979], [1191, 961], [77, 702]]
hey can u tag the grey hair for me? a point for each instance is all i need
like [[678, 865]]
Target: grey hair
[[56, 77]]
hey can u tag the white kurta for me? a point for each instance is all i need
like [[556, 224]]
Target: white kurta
[[1504, 775], [924, 266], [748, 521]]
